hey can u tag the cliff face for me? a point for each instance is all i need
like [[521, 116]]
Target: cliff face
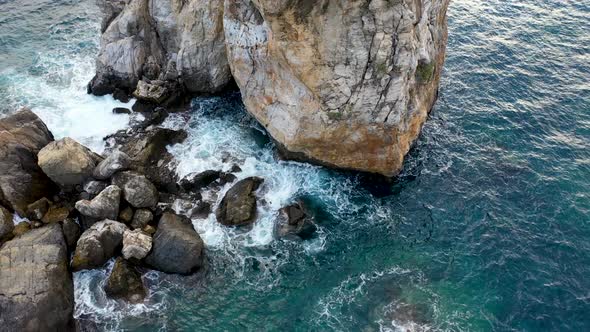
[[345, 83]]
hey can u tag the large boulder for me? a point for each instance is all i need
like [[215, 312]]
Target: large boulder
[[238, 206], [67, 162], [137, 189], [177, 247], [6, 223], [103, 206], [98, 244], [22, 182], [295, 222], [115, 162], [36, 288], [124, 282], [340, 83], [136, 244]]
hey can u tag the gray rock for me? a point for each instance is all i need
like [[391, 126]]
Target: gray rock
[[6, 223], [137, 189], [125, 282], [153, 93], [36, 288], [67, 162], [115, 162], [141, 218], [94, 188], [238, 206], [103, 206], [177, 247], [98, 244], [295, 223], [71, 231], [22, 182], [136, 244]]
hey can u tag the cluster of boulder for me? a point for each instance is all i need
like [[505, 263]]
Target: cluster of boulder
[[80, 209]]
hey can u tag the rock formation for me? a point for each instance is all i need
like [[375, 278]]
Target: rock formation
[[347, 84], [98, 244], [238, 206]]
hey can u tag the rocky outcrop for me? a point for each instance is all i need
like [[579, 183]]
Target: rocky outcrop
[[67, 162], [238, 206], [177, 247], [124, 282], [137, 189], [98, 244], [36, 288], [103, 206], [22, 182]]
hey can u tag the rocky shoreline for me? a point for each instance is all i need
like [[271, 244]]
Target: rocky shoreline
[[78, 210]]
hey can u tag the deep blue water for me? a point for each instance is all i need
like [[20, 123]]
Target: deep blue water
[[487, 228]]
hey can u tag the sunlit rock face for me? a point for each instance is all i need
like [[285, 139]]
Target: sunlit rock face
[[341, 83]]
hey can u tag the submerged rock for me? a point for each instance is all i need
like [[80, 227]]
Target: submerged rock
[[115, 162], [136, 244], [125, 282], [137, 189], [296, 222], [67, 162], [22, 182], [6, 223], [36, 288], [238, 206], [177, 247], [98, 244], [103, 206]]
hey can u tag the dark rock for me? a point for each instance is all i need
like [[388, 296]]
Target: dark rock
[[151, 69], [115, 162], [125, 283], [177, 247], [67, 162], [141, 218], [36, 288], [235, 169], [6, 223], [103, 206], [121, 110], [197, 181], [126, 215], [137, 189], [121, 96], [225, 178], [22, 182], [36, 210], [94, 188], [98, 244], [21, 228], [296, 222], [71, 231], [144, 107], [56, 214], [201, 210], [238, 207]]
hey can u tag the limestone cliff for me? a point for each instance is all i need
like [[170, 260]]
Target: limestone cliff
[[345, 83]]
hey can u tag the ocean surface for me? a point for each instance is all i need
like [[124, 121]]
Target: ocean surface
[[486, 229]]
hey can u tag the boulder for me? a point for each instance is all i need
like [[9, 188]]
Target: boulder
[[103, 206], [126, 215], [37, 209], [238, 206], [98, 244], [71, 231], [67, 162], [141, 218], [177, 247], [55, 214], [125, 282], [295, 223], [94, 188], [136, 244], [198, 181], [153, 93], [36, 288], [22, 182], [137, 189], [121, 110], [6, 223], [115, 162]]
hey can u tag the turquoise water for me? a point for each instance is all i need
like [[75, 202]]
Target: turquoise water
[[487, 228]]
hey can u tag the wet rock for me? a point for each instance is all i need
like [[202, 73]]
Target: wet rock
[[296, 223], [67, 162], [141, 218], [137, 189], [121, 110], [98, 244], [152, 93], [177, 247], [103, 206], [55, 214], [36, 288], [115, 162], [136, 244], [71, 231], [125, 282], [22, 182], [94, 188], [36, 210], [201, 210], [6, 223], [238, 207], [21, 228], [198, 181], [126, 215]]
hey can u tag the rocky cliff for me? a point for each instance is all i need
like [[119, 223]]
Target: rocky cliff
[[344, 83]]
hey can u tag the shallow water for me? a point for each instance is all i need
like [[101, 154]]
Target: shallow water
[[487, 228]]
